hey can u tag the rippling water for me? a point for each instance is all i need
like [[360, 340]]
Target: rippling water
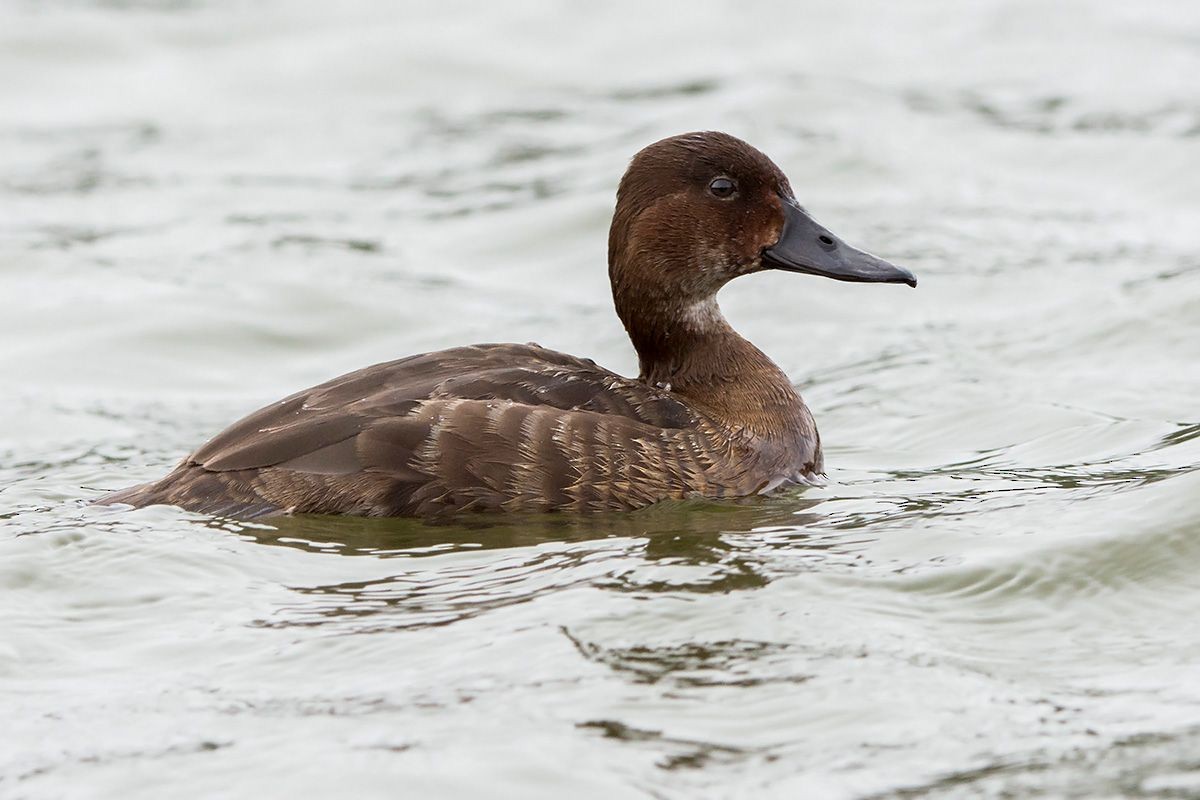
[[207, 205]]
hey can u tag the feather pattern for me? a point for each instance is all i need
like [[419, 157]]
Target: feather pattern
[[498, 427]]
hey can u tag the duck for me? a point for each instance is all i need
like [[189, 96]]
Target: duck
[[522, 428]]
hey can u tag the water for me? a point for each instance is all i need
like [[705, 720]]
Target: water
[[207, 205]]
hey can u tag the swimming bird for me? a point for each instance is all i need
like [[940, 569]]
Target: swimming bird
[[518, 427]]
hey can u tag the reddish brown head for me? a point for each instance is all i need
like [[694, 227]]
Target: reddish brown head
[[695, 211]]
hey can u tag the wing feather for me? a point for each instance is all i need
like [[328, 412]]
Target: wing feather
[[305, 431], [486, 427]]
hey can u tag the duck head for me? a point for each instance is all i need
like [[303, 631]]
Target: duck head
[[695, 211]]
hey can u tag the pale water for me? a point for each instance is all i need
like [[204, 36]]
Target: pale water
[[205, 206]]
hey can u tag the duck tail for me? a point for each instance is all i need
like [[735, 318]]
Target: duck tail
[[136, 496]]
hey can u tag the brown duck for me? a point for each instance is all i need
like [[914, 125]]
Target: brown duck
[[511, 427]]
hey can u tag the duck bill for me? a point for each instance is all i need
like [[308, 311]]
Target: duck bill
[[807, 246]]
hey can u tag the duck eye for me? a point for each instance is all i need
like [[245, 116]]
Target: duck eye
[[722, 187]]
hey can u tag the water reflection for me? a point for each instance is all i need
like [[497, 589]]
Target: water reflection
[[453, 570], [696, 664], [678, 753], [689, 530]]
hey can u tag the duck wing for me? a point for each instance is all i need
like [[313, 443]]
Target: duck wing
[[307, 423], [486, 427]]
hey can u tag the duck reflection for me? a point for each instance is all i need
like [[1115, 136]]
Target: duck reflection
[[670, 548], [689, 531]]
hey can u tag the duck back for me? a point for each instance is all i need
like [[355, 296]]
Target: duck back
[[496, 427]]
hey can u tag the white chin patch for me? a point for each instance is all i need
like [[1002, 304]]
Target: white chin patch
[[703, 315]]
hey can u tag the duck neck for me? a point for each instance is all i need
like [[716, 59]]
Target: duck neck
[[692, 351]]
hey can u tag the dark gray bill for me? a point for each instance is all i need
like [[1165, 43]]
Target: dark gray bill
[[807, 246]]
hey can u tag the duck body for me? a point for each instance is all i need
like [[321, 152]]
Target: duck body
[[492, 427], [507, 427]]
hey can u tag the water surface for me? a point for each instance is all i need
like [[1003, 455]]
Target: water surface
[[208, 205]]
